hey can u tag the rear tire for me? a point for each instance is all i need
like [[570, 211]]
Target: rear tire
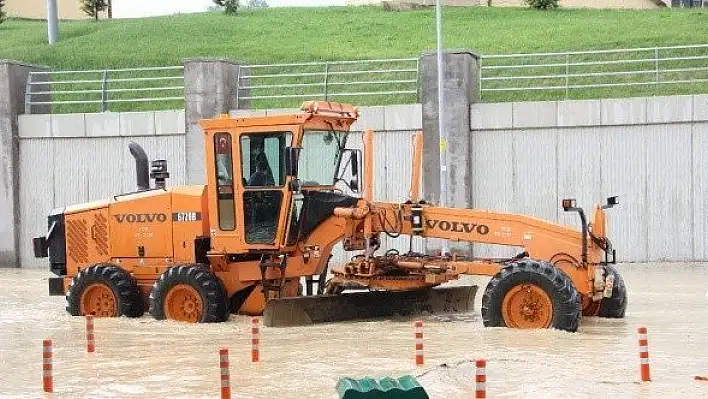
[[615, 306], [531, 294], [190, 293], [104, 290]]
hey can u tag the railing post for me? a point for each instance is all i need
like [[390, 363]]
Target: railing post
[[479, 79], [104, 94], [326, 81], [238, 85], [656, 61], [28, 94], [567, 77]]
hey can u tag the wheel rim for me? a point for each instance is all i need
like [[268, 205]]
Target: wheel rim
[[527, 306], [183, 303], [98, 300]]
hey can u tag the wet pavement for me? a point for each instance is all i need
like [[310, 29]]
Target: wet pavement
[[145, 358]]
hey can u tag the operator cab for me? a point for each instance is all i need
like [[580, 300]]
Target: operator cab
[[273, 179]]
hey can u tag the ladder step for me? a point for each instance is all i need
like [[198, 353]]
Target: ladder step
[[277, 262]]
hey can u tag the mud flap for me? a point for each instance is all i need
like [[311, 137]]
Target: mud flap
[[298, 311]]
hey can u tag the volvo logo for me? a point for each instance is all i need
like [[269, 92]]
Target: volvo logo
[[140, 217], [457, 227]]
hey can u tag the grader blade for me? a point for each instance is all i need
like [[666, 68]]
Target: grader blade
[[299, 311]]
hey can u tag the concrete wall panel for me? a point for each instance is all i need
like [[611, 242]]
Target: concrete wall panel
[[579, 113], [106, 124], [624, 111], [669, 109], [624, 173], [169, 122], [72, 161], [535, 174], [370, 118], [700, 107], [36, 199], [700, 190], [494, 177], [137, 123], [403, 117], [491, 116], [579, 171], [535, 114], [35, 125], [398, 171], [493, 169], [669, 206], [68, 125]]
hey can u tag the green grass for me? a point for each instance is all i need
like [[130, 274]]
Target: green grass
[[346, 33]]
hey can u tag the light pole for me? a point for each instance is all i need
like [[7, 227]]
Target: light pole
[[52, 21], [441, 118]]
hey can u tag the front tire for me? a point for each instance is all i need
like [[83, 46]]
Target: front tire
[[190, 293], [615, 306], [531, 294], [104, 290]]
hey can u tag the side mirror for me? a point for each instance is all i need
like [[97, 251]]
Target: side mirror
[[568, 204], [350, 167], [292, 156], [611, 201]]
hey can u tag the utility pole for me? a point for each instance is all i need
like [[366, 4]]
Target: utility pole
[[52, 21], [110, 9], [441, 119]]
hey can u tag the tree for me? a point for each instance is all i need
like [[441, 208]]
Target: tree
[[2, 13], [230, 6], [543, 4], [257, 4], [92, 8]]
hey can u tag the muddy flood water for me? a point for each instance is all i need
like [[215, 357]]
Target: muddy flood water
[[145, 358]]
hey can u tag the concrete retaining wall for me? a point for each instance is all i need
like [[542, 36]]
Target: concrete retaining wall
[[76, 158], [651, 152], [525, 157]]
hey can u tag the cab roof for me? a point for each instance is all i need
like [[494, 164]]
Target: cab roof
[[315, 113]]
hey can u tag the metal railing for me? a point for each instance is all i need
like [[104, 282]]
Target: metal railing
[[595, 74], [387, 80], [77, 90], [518, 77]]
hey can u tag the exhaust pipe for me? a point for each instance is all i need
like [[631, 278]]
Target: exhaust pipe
[[141, 166]]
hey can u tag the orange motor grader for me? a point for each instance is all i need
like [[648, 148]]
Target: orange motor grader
[[281, 191]]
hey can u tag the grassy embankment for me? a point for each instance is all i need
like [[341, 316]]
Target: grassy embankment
[[345, 33]]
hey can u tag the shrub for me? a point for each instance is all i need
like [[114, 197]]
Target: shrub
[[2, 13], [543, 4], [230, 6], [93, 7]]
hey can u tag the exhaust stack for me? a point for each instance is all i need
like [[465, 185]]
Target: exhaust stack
[[141, 166]]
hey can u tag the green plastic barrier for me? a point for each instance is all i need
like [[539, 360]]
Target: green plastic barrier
[[406, 387]]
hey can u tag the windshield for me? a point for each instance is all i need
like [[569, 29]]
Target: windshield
[[319, 156]]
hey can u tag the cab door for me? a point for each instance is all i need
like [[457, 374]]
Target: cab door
[[222, 177], [263, 185]]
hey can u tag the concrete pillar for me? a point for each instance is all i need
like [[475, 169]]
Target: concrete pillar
[[211, 89], [461, 88], [13, 82]]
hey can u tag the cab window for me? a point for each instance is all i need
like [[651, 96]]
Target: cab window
[[263, 168], [224, 180], [263, 158]]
